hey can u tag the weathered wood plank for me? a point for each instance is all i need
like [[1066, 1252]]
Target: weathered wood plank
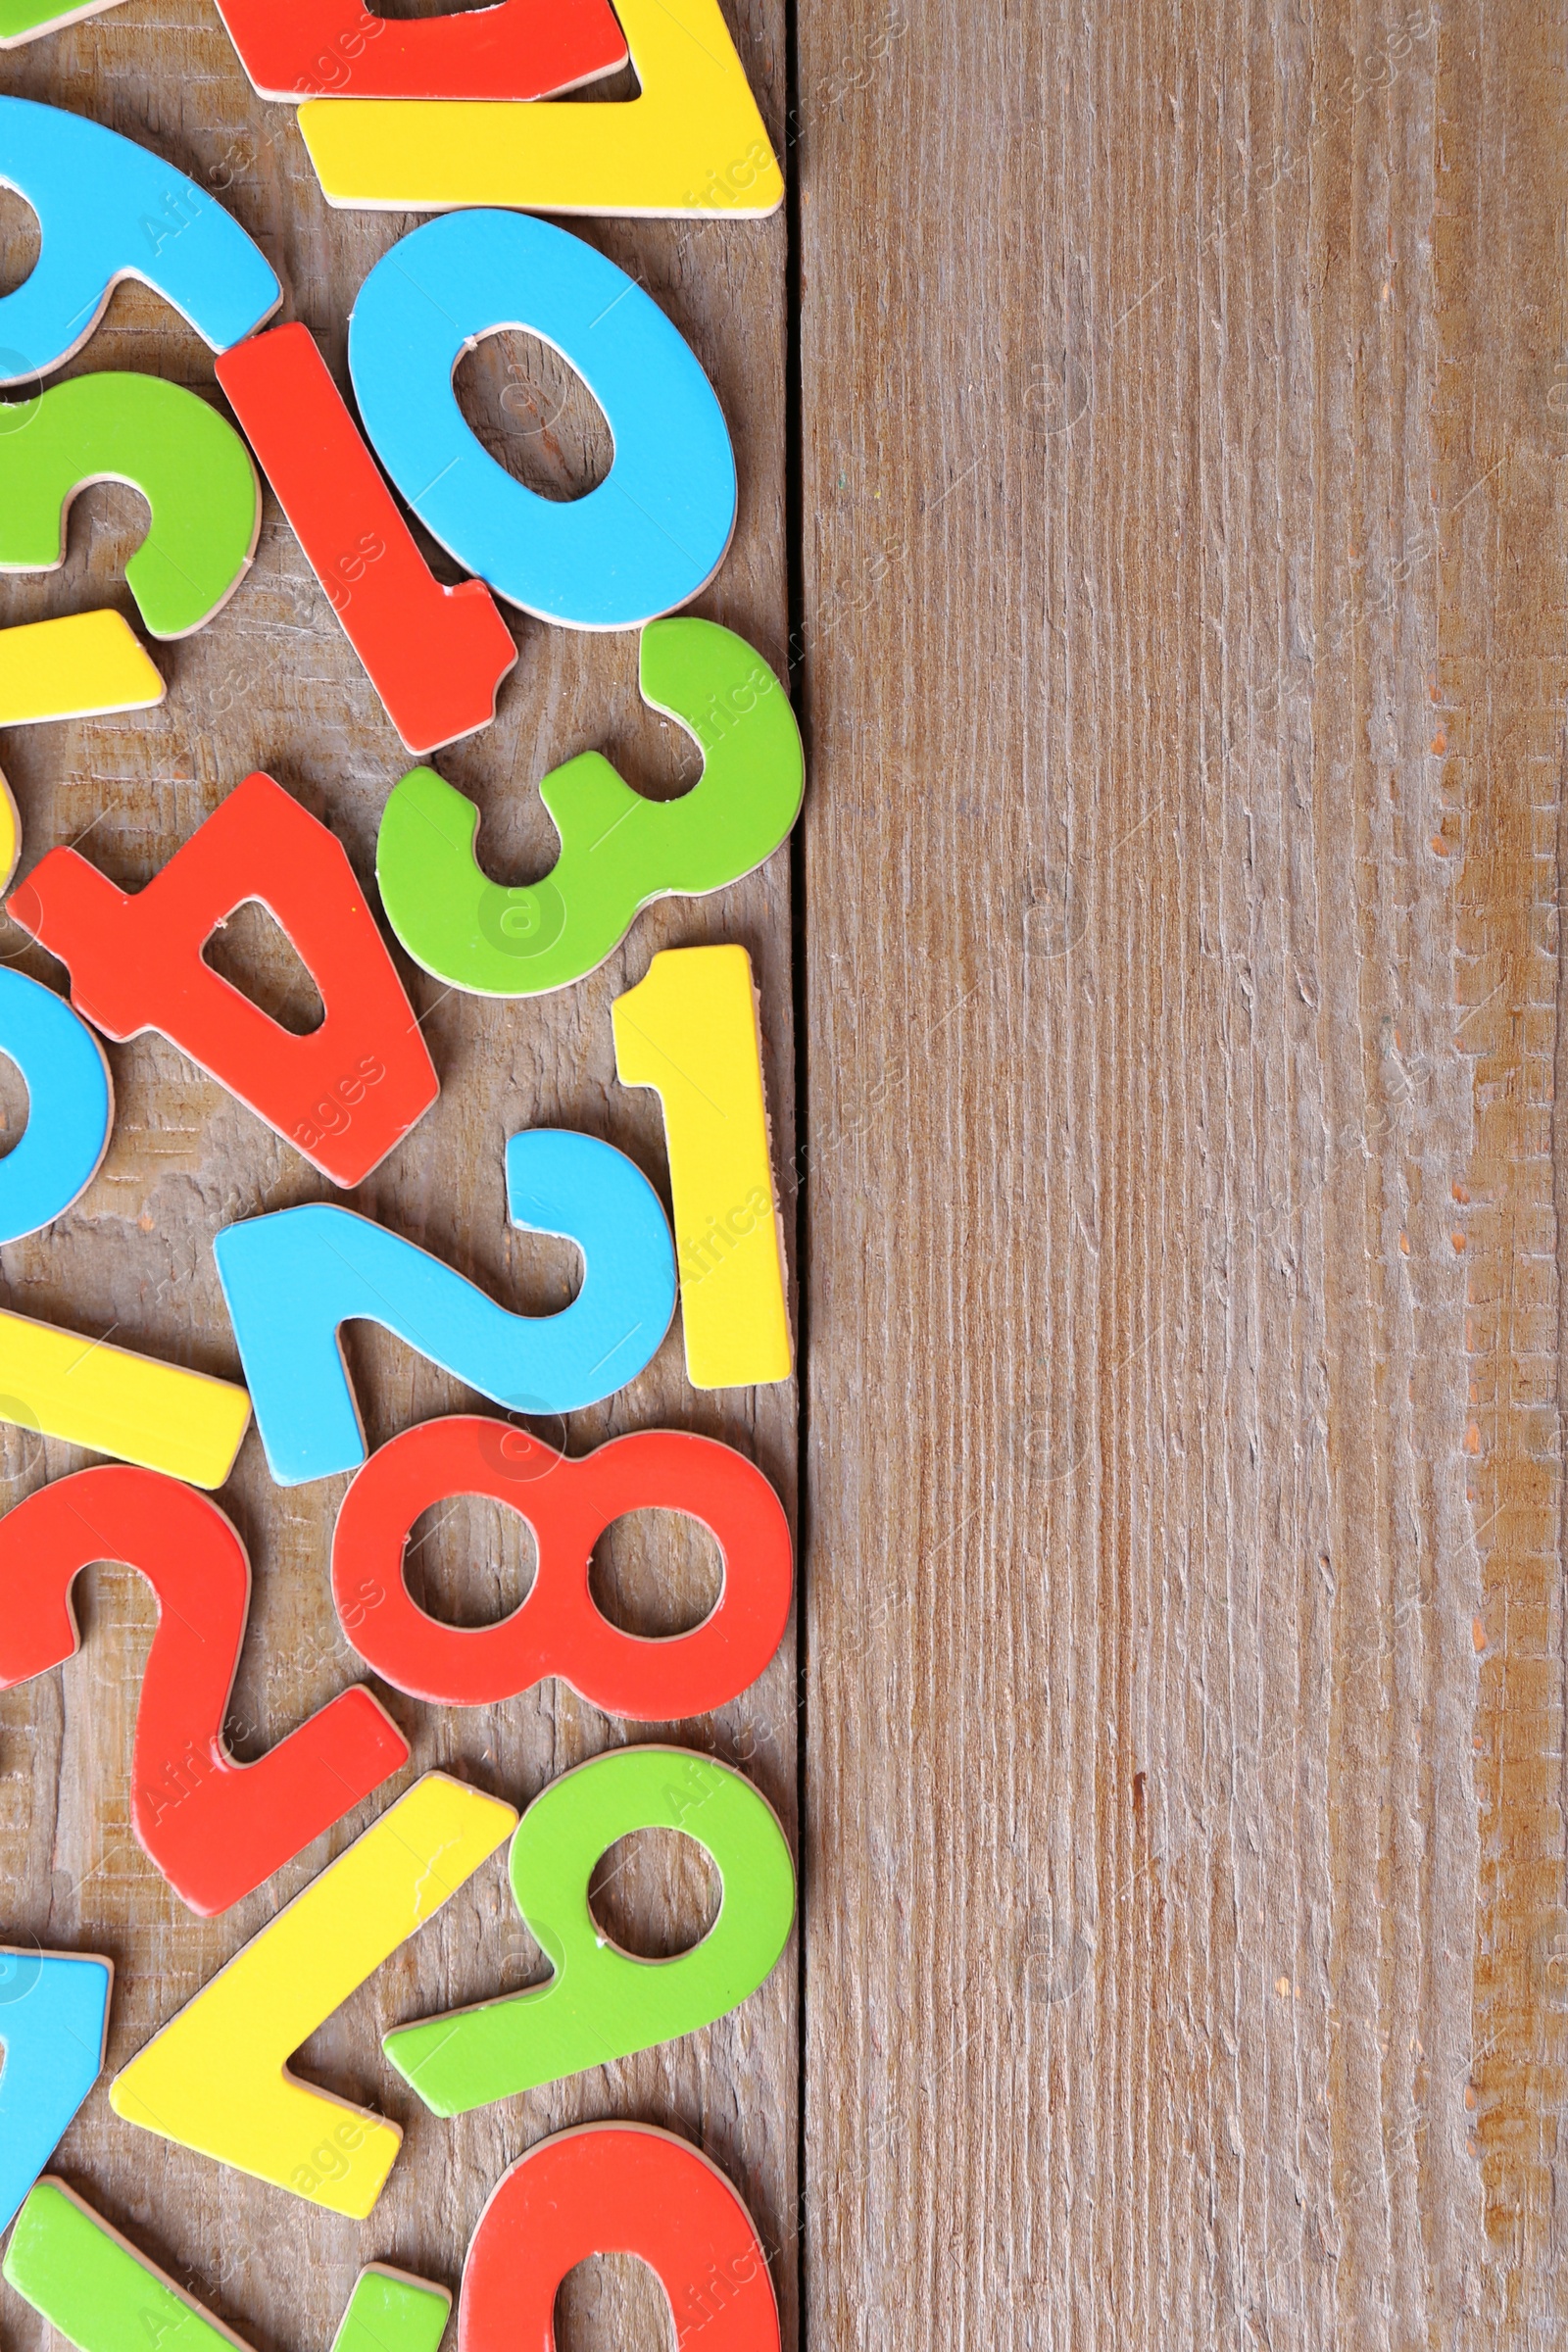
[[1501, 429], [271, 682], [1182, 507]]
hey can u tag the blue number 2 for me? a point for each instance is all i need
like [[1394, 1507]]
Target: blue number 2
[[292, 1278]]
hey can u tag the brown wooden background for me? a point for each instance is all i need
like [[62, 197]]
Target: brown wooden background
[[1151, 424]]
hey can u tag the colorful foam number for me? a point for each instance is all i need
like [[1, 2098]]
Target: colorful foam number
[[188, 463], [215, 2078], [196, 475], [655, 530], [692, 141], [87, 1393], [557, 1629], [108, 209], [619, 851], [54, 2023], [690, 1031], [215, 1828], [292, 1278], [514, 49], [9, 830], [26, 19], [616, 2188], [392, 2312], [344, 1096], [77, 666], [600, 2003], [102, 2295], [435, 654], [91, 2285], [71, 1105]]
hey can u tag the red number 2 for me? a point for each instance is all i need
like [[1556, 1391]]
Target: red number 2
[[215, 1828]]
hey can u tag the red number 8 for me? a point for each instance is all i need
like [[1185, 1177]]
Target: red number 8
[[558, 1629]]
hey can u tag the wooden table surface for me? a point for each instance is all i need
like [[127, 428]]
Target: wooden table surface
[[1151, 424]]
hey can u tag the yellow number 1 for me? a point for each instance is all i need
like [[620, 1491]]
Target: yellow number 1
[[690, 1031]]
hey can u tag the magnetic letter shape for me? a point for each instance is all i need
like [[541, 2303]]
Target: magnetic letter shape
[[619, 851], [621, 2188], [188, 463], [102, 2296], [76, 666], [603, 2004], [434, 654], [690, 1031], [215, 1828], [518, 49], [87, 1393], [557, 1629], [71, 1105], [657, 529], [691, 142], [293, 1277], [108, 209], [216, 2078], [344, 1096], [54, 2022]]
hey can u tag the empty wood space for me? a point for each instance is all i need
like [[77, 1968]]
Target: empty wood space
[[1185, 413]]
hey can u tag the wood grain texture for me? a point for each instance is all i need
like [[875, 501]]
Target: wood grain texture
[[1184, 629], [1502, 438], [273, 683]]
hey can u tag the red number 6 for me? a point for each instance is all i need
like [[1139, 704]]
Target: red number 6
[[557, 1629], [616, 2188]]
